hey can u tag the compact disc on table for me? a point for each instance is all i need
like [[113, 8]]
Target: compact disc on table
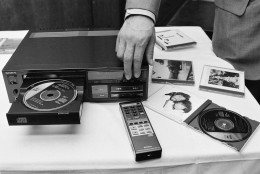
[[49, 95], [224, 125]]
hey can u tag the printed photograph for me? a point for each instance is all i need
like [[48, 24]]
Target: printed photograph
[[172, 71], [224, 78], [178, 101]]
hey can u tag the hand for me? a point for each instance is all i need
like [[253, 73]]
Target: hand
[[136, 38]]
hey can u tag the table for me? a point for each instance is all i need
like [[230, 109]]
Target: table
[[100, 144]]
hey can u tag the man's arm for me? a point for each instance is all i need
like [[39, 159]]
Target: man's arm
[[137, 36]]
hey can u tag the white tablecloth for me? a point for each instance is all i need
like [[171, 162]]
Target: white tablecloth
[[100, 144]]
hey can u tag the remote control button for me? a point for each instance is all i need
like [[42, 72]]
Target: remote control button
[[133, 127], [149, 132], [141, 129], [146, 125], [135, 133], [142, 133], [129, 117]]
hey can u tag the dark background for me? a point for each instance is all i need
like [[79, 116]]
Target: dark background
[[76, 14]]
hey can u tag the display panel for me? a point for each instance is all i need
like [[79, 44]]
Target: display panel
[[105, 75]]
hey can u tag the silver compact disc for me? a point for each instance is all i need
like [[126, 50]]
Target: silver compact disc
[[48, 95], [224, 125]]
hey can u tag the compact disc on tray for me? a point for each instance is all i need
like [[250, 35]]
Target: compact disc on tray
[[49, 95], [224, 125]]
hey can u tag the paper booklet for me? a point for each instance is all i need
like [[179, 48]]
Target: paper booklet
[[175, 103]]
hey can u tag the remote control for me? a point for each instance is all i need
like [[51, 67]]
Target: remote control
[[145, 144]]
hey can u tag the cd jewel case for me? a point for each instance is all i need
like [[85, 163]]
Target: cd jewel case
[[222, 80], [49, 101], [202, 115], [173, 39], [225, 126], [173, 71]]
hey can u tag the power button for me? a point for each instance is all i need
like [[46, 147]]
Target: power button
[[12, 79]]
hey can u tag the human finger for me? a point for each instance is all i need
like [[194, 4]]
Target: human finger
[[117, 43], [150, 49], [121, 47], [128, 60], [138, 57]]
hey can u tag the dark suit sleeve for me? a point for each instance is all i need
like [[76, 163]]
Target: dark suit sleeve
[[151, 5]]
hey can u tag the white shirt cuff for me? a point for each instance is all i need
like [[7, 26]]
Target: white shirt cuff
[[142, 12]]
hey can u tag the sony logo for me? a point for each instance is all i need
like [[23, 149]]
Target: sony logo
[[8, 73]]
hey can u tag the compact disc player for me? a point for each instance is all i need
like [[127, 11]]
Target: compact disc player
[[51, 61]]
